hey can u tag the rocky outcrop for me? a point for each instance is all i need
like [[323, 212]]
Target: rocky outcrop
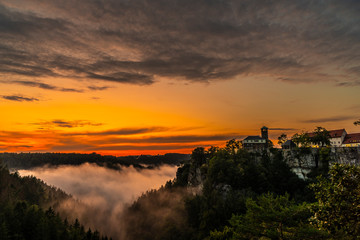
[[346, 155], [302, 161]]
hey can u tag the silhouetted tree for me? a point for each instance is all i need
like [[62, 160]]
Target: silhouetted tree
[[198, 156], [232, 146], [282, 139], [321, 137]]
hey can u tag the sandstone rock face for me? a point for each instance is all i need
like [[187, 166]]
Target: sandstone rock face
[[302, 161]]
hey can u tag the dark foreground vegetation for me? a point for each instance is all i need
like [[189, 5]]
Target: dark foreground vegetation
[[238, 197], [22, 214]]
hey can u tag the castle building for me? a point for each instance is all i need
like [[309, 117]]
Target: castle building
[[351, 140], [337, 137], [340, 138], [257, 142]]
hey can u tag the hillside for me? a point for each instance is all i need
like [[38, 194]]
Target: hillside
[[220, 193], [27, 211], [230, 193]]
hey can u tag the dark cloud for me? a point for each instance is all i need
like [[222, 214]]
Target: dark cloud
[[22, 146], [122, 131], [329, 119], [146, 147], [136, 41], [169, 139], [283, 129], [66, 124], [14, 134], [19, 98], [98, 88], [348, 84], [46, 86]]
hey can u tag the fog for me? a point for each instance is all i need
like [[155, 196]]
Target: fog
[[102, 192]]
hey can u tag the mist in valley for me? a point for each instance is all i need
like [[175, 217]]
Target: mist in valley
[[101, 194]]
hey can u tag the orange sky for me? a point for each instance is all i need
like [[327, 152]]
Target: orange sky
[[131, 82]]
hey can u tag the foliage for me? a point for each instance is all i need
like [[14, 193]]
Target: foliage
[[232, 177], [221, 193], [301, 139], [321, 137], [339, 200], [14, 188], [282, 139], [21, 211], [232, 146], [270, 217], [198, 156], [24, 221]]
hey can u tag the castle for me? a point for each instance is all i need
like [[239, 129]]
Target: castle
[[256, 142], [338, 138]]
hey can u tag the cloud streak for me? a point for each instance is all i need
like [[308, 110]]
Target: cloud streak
[[98, 88], [18, 98], [66, 124], [121, 131], [204, 41], [46, 86], [283, 129], [329, 119]]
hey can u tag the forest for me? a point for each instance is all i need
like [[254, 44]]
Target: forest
[[237, 197], [220, 193], [27, 211]]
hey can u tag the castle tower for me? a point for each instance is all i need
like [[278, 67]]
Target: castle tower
[[264, 133]]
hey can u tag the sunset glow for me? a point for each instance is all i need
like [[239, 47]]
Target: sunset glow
[[134, 77]]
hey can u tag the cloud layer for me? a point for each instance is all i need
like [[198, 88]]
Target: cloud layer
[[137, 41]]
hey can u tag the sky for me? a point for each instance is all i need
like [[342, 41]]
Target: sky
[[137, 77]]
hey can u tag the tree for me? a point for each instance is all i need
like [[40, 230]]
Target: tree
[[198, 156], [282, 139], [270, 217], [301, 139], [338, 201], [212, 151], [321, 137], [232, 146]]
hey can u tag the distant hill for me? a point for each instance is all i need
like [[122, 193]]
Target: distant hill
[[32, 160]]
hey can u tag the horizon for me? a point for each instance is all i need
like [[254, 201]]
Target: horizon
[[156, 152], [134, 78]]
